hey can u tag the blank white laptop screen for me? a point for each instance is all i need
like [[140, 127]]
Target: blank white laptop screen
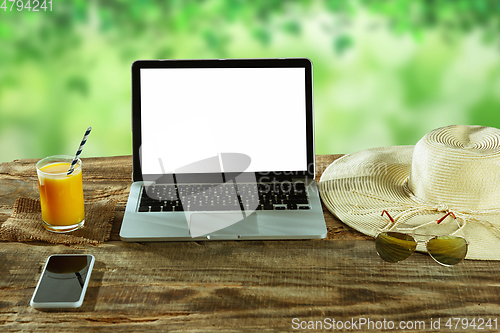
[[189, 114]]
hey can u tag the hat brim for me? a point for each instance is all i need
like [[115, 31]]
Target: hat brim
[[358, 187]]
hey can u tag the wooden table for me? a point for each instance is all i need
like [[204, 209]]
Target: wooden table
[[237, 285]]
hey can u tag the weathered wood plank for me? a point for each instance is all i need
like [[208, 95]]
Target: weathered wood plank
[[232, 285], [248, 285], [110, 178]]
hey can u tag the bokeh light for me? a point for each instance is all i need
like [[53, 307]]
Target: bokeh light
[[385, 72]]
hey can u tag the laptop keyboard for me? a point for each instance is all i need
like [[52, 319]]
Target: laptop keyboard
[[224, 197]]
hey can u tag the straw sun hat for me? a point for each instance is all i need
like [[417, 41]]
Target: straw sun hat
[[451, 169]]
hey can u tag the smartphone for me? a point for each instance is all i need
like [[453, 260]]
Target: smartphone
[[64, 281]]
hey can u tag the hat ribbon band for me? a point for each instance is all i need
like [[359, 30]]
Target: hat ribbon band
[[420, 206]]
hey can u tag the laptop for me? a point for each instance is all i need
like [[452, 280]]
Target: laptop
[[223, 149]]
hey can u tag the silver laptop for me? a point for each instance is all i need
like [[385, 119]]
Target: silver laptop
[[223, 149]]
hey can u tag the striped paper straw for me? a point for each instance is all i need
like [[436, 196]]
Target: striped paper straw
[[75, 160]]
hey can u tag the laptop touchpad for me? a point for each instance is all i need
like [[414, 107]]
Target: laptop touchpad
[[223, 224]]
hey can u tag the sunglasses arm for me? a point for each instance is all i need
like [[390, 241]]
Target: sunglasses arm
[[387, 213], [442, 219]]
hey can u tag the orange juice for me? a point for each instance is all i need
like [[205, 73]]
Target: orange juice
[[61, 196]]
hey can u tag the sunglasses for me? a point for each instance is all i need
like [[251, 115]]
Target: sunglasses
[[396, 246]]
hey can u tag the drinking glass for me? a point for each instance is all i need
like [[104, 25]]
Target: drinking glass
[[61, 195]]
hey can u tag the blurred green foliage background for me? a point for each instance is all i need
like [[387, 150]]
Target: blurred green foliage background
[[385, 72]]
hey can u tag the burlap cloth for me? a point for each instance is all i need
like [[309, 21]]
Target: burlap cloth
[[25, 224]]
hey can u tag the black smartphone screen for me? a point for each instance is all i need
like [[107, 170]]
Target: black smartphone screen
[[64, 281]]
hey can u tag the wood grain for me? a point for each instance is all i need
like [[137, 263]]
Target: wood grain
[[232, 285], [111, 178], [246, 285]]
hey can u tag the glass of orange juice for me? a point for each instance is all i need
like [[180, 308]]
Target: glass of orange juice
[[61, 195]]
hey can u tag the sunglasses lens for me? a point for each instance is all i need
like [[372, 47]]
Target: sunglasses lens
[[394, 246], [447, 250]]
